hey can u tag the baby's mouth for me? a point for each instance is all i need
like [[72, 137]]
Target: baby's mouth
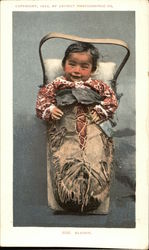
[[76, 77]]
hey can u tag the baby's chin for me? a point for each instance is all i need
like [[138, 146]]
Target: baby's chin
[[76, 79]]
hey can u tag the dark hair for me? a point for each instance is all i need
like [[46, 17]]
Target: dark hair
[[82, 47]]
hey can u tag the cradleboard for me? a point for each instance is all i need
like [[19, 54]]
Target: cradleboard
[[79, 179]]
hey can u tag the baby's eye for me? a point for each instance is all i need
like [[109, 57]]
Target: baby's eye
[[85, 66], [71, 64]]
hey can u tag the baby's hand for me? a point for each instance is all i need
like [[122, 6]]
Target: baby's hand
[[94, 115], [56, 113]]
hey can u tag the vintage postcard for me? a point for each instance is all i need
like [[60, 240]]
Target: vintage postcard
[[74, 124]]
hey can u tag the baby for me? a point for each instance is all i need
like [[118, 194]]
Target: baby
[[80, 153], [79, 62]]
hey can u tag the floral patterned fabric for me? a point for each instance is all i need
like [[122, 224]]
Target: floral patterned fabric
[[105, 110], [46, 96]]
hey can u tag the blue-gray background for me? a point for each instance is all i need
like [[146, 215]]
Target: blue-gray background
[[30, 185]]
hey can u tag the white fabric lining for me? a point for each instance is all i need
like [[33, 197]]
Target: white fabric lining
[[105, 70]]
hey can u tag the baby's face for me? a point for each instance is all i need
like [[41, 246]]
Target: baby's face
[[78, 66]]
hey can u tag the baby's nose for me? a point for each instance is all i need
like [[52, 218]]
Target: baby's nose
[[77, 69]]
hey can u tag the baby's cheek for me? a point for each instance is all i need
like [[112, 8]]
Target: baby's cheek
[[86, 72], [67, 68]]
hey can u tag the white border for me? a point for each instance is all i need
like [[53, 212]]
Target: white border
[[136, 238]]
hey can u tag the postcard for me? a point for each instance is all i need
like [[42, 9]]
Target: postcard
[[43, 203]]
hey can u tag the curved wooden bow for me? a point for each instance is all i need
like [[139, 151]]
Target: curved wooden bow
[[89, 40]]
